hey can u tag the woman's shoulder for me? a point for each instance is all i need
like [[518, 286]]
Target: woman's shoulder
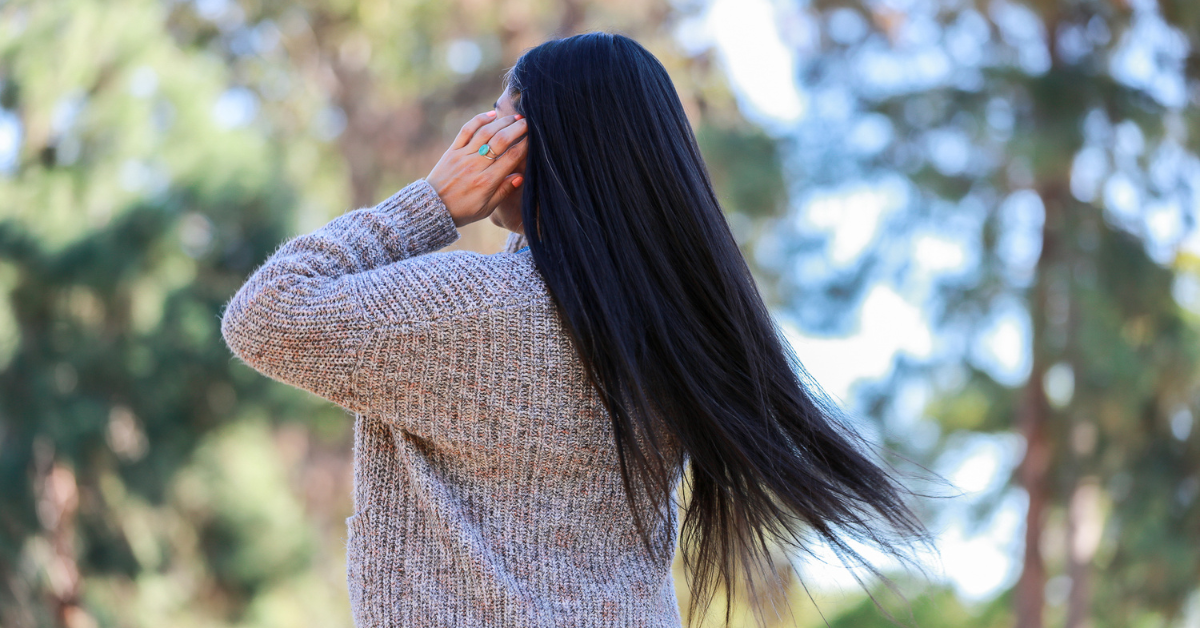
[[455, 283]]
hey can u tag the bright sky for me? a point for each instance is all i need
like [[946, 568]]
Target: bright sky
[[762, 70], [757, 62]]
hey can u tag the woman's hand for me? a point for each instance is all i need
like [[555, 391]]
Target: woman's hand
[[471, 185]]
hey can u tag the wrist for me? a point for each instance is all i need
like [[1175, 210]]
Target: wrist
[[459, 221], [419, 214]]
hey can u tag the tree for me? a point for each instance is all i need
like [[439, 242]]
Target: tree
[[1052, 145], [162, 151]]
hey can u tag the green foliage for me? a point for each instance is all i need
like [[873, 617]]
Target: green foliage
[[979, 405], [745, 168], [935, 607], [256, 528], [1015, 140], [166, 149]]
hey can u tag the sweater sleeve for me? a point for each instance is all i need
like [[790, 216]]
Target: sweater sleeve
[[301, 317]]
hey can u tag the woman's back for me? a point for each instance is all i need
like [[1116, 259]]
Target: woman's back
[[491, 487], [487, 489]]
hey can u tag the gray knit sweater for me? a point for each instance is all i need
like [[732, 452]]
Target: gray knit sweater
[[486, 485]]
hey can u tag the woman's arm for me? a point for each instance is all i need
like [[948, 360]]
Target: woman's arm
[[303, 316]]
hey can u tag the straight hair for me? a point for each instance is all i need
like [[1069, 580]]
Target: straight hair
[[624, 225]]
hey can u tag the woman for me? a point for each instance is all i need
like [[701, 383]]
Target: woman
[[523, 418]]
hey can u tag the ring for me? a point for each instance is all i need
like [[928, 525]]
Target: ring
[[486, 150]]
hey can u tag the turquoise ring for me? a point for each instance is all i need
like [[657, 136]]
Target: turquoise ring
[[486, 150]]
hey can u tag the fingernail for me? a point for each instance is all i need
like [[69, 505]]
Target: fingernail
[[492, 113], [519, 116], [517, 181]]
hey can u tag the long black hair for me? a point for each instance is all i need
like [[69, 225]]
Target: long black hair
[[623, 224]]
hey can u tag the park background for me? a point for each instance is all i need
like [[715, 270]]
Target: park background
[[974, 219]]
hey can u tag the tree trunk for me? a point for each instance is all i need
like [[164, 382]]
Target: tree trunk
[[1031, 587], [1033, 415]]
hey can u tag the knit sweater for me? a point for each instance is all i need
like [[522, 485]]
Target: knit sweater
[[487, 490]]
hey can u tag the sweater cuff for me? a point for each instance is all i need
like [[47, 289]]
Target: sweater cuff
[[424, 220]]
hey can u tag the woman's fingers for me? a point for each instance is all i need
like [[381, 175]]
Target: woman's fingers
[[486, 132], [466, 182], [511, 185], [468, 130], [512, 157], [507, 137]]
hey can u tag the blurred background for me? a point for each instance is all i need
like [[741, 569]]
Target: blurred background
[[974, 219]]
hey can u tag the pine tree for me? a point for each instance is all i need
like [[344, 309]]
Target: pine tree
[[1052, 145], [164, 149]]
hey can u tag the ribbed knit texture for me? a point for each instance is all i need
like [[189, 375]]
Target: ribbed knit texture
[[486, 485]]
